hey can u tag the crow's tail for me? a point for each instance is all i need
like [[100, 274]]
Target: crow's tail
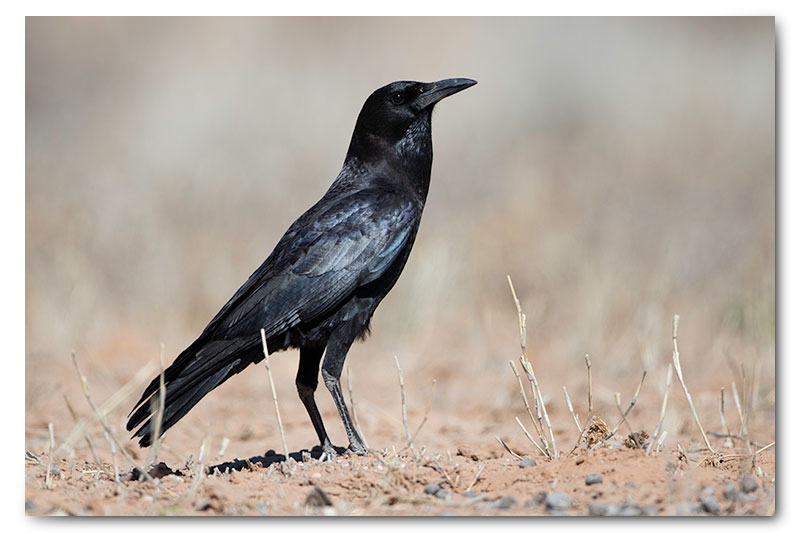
[[198, 370]]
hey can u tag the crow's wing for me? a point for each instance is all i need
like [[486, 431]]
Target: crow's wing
[[329, 252], [319, 262]]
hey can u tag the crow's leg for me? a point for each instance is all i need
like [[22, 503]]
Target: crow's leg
[[306, 381], [331, 372]]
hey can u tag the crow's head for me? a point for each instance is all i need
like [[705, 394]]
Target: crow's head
[[391, 111]]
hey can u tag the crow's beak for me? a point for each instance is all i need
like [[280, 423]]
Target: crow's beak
[[433, 92]]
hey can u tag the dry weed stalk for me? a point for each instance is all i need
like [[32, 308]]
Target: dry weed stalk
[[619, 408], [477, 476], [661, 414], [201, 471], [75, 418], [403, 407], [427, 412], [676, 360], [589, 414], [274, 394], [113, 458], [506, 448], [530, 438], [571, 410], [50, 456], [625, 414], [162, 398], [741, 416], [353, 408], [543, 449], [728, 441], [541, 408], [115, 400], [101, 418]]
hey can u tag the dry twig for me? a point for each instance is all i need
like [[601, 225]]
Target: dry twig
[[506, 448], [50, 455], [741, 416], [85, 436], [541, 408], [589, 414], [676, 360], [162, 397], [116, 399], [661, 414], [403, 407], [571, 410], [353, 408], [544, 449], [477, 476], [101, 418], [625, 414], [728, 441], [274, 394]]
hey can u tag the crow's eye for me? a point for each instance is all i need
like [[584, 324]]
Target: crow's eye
[[398, 98]]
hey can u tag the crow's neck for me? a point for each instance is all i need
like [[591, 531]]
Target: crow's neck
[[404, 163]]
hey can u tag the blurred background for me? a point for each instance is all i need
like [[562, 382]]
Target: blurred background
[[621, 170]]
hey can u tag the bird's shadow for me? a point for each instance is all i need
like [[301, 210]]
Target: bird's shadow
[[270, 458]]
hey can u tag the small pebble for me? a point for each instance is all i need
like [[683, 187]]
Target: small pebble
[[470, 494], [649, 510], [706, 491], [593, 479], [527, 463], [506, 502], [749, 484], [442, 495], [629, 510], [687, 509], [729, 491], [432, 489], [598, 509], [540, 497], [709, 504], [557, 502]]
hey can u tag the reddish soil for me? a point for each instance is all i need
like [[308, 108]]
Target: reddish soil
[[450, 450]]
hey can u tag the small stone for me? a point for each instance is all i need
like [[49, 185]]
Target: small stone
[[729, 491], [432, 489], [598, 509], [706, 491], [557, 502], [507, 502], [593, 479], [687, 509], [629, 510], [527, 463], [443, 495], [540, 497], [649, 510], [749, 485], [709, 504], [470, 494]]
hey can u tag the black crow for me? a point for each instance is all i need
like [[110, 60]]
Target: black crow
[[318, 288]]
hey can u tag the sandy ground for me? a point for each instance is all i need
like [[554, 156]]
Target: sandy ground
[[457, 466]]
